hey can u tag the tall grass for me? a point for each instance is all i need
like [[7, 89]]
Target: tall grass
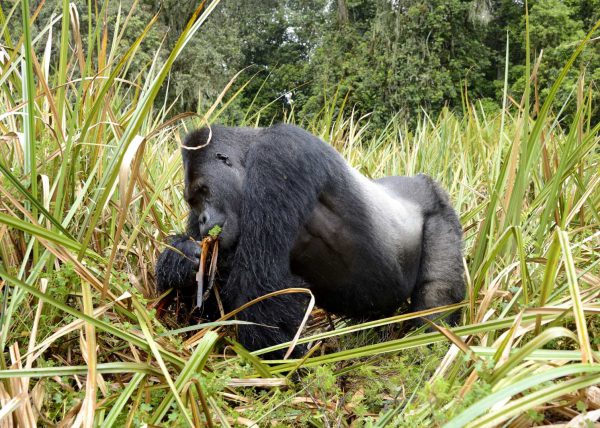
[[91, 186]]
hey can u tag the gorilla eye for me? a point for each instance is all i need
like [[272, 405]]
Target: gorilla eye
[[224, 158], [203, 190]]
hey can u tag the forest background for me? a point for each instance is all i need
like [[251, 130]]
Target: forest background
[[378, 57]]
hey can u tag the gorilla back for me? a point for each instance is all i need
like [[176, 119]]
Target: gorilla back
[[293, 213]]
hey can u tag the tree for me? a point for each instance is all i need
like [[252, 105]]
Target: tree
[[402, 56]]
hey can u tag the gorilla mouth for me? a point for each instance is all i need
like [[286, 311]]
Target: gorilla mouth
[[213, 230]]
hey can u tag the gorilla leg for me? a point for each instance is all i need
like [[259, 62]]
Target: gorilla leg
[[441, 276]]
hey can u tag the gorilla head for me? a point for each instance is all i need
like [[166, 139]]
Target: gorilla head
[[214, 177]]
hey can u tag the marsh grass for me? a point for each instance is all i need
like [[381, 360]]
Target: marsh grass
[[81, 343]]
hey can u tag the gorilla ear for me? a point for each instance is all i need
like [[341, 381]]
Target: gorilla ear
[[197, 139]]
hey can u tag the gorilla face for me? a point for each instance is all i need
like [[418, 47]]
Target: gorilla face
[[213, 189]]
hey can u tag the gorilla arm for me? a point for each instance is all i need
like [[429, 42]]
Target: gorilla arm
[[285, 173]]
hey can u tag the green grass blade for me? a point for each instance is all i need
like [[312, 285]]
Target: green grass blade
[[102, 368], [29, 112], [193, 366], [121, 401], [49, 235], [511, 390], [165, 371], [33, 201], [533, 399], [582, 331]]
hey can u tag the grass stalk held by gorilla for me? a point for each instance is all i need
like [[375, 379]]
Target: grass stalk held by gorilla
[[294, 214], [209, 242]]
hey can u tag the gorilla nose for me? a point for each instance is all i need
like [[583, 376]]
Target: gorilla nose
[[205, 223], [204, 218]]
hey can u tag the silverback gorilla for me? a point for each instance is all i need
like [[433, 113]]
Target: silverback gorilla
[[293, 213]]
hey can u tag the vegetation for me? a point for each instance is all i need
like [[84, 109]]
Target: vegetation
[[383, 57], [90, 187]]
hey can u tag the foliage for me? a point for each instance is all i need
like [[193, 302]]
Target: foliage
[[380, 57], [404, 56], [215, 231]]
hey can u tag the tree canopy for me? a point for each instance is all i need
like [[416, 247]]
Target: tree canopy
[[381, 57]]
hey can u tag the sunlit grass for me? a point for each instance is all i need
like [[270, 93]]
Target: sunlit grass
[[79, 336]]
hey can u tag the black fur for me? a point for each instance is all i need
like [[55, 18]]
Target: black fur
[[294, 214]]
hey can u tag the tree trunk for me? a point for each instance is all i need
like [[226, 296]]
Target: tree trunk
[[342, 12]]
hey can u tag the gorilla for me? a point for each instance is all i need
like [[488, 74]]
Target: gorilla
[[293, 213]]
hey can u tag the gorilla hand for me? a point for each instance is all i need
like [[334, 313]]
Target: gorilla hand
[[177, 269], [191, 250]]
